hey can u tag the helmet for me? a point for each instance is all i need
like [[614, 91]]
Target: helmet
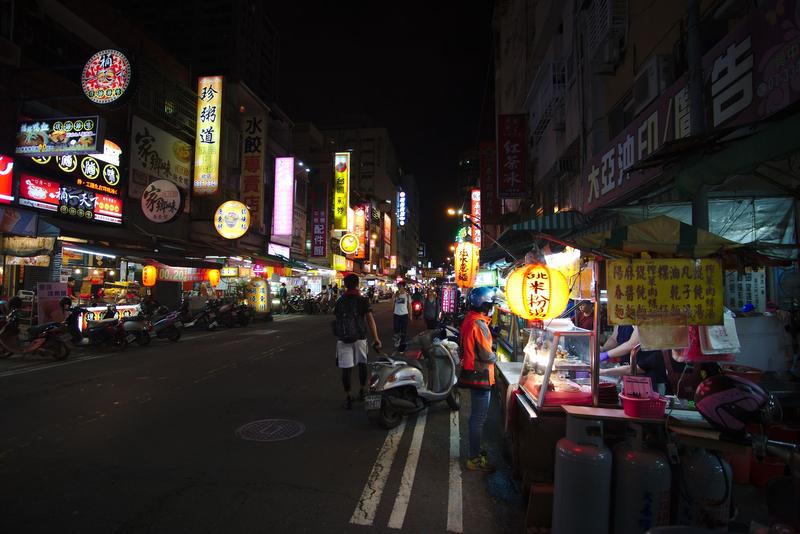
[[729, 402], [481, 298]]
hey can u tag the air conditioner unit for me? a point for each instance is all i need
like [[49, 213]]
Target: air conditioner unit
[[656, 75]]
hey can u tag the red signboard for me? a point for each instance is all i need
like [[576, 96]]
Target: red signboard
[[749, 75], [68, 200], [490, 202], [387, 236], [512, 157], [475, 200], [6, 174]]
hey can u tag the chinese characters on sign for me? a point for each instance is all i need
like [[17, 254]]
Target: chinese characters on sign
[[55, 137], [401, 208], [341, 190], [393, 262], [691, 287], [360, 229], [749, 287], [209, 135], [319, 219], [232, 219], [157, 155], [106, 76], [283, 206], [512, 179], [387, 236], [339, 263], [98, 172], [449, 299], [68, 200], [161, 201], [254, 138], [475, 198]]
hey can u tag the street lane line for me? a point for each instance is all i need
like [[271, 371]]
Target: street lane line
[[367, 506], [455, 522], [407, 482]]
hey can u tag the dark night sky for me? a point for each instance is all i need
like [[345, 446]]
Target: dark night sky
[[417, 68]]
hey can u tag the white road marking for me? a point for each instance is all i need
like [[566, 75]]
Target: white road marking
[[407, 482], [455, 521], [367, 506]]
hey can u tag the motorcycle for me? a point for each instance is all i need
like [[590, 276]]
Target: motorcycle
[[136, 329], [416, 309], [224, 312], [244, 314], [205, 319], [165, 324], [45, 339], [405, 383], [107, 331]]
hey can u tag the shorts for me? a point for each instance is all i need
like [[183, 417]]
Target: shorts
[[349, 354]]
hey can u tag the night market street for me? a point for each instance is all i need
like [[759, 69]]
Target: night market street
[[145, 441]]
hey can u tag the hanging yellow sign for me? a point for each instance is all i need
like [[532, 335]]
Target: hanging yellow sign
[[339, 263], [341, 190], [348, 243], [690, 287], [208, 135]]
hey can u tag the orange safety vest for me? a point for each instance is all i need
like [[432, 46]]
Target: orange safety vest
[[477, 371]]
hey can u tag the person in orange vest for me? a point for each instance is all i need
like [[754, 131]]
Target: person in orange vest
[[477, 370]]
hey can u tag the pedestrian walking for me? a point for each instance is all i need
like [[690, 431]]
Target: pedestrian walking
[[353, 318], [402, 310], [477, 370], [432, 310], [284, 296]]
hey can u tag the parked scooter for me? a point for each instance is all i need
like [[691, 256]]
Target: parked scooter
[[45, 339], [405, 383], [136, 329], [107, 331], [416, 309], [165, 324], [244, 314], [225, 313], [205, 319]]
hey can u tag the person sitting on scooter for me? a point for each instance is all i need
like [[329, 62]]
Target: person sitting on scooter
[[477, 369]]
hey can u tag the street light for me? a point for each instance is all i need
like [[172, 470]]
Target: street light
[[453, 211], [475, 221], [452, 248]]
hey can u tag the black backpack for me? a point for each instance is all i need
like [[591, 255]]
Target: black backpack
[[348, 326]]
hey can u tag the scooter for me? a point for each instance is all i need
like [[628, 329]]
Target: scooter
[[107, 331], [416, 309], [136, 329], [405, 383], [205, 319], [225, 313], [165, 324], [244, 314], [45, 339]]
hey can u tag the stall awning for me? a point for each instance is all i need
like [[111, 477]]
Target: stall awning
[[518, 239], [563, 220]]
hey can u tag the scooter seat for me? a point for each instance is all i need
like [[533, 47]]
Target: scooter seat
[[413, 363]]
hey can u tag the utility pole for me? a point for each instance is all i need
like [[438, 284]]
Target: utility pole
[[696, 108]]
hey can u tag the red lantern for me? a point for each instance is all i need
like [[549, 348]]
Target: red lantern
[[149, 275], [466, 261], [213, 277]]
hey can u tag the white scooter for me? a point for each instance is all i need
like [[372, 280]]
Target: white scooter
[[407, 382]]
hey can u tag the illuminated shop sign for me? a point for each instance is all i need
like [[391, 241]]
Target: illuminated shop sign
[[155, 155], [55, 137], [349, 243], [387, 236], [251, 187], [232, 219], [401, 208], [475, 197], [229, 271], [208, 135], [6, 174], [68, 200], [98, 172], [161, 201], [360, 229], [341, 190], [283, 207], [106, 77]]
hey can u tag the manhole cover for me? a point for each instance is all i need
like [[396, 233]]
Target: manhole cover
[[271, 430]]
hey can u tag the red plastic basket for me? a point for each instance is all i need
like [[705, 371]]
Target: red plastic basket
[[652, 408]]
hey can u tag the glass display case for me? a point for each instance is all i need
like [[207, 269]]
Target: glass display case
[[511, 334], [558, 355]]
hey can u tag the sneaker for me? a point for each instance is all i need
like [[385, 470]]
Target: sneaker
[[348, 402], [480, 463]]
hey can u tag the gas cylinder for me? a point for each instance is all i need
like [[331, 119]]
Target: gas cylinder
[[582, 480], [642, 486], [705, 490]]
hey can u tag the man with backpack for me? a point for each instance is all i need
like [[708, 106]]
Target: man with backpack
[[353, 316]]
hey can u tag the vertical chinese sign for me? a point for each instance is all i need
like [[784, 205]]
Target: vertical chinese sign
[[208, 135], [637, 288], [475, 199], [488, 181], [252, 181], [512, 180], [341, 190], [387, 236], [360, 229], [319, 219], [283, 207]]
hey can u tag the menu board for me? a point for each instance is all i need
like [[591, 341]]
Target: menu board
[[68, 200]]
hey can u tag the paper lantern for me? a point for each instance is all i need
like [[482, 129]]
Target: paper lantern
[[257, 293], [535, 291], [213, 277], [149, 275], [466, 259]]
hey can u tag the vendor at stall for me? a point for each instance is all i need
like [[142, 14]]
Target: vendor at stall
[[648, 362]]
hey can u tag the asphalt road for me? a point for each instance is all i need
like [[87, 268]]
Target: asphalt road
[[146, 441]]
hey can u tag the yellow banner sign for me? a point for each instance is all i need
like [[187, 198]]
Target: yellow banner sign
[[341, 190], [668, 286], [208, 135], [339, 263]]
